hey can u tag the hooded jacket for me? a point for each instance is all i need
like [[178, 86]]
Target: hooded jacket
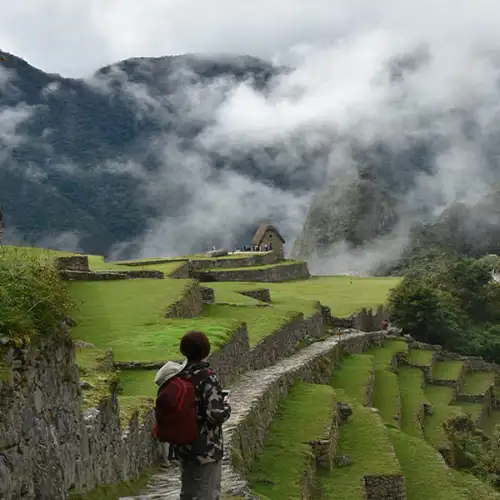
[[212, 412]]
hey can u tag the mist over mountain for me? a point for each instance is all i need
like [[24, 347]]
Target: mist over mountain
[[347, 150]]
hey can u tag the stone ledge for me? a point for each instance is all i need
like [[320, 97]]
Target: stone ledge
[[274, 274], [189, 305], [262, 294], [261, 259], [92, 276], [385, 487], [73, 263]]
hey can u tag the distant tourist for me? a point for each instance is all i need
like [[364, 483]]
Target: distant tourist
[[270, 247], [193, 425], [385, 324], [265, 248], [213, 247]]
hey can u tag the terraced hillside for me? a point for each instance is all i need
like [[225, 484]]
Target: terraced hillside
[[136, 324], [400, 396]]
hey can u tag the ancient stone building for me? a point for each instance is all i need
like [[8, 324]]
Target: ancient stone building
[[269, 235]]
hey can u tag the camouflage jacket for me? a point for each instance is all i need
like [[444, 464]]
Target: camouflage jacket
[[212, 413]]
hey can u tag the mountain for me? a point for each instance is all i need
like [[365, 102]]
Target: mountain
[[61, 139], [355, 209]]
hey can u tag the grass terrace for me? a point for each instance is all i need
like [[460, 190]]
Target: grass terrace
[[263, 266], [426, 474], [478, 382], [447, 370], [353, 375], [473, 409], [386, 396], [420, 357], [412, 399], [383, 355], [129, 316], [304, 415], [491, 422], [440, 397], [364, 438], [260, 323]]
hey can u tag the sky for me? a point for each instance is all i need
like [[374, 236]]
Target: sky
[[338, 50]]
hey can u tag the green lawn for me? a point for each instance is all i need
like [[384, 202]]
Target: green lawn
[[420, 357], [365, 440], [412, 399], [337, 293], [473, 409], [440, 398], [383, 355], [261, 322], [386, 396], [129, 317], [352, 374], [447, 370], [302, 416], [472, 487], [138, 383], [491, 422], [478, 382], [426, 474], [263, 266]]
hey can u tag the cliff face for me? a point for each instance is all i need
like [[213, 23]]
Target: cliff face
[[353, 209], [48, 445]]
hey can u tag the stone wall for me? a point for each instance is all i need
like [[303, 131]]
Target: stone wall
[[262, 294], [92, 276], [283, 342], [73, 263], [273, 274], [48, 445], [189, 305], [71, 275], [260, 259], [255, 403], [182, 272], [390, 487], [207, 294], [365, 321]]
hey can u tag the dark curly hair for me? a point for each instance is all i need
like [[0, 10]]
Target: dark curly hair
[[195, 345]]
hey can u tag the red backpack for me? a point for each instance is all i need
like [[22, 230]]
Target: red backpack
[[176, 411]]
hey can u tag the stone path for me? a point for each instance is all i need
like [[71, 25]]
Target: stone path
[[245, 396]]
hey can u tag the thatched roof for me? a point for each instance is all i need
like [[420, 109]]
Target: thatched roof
[[259, 235]]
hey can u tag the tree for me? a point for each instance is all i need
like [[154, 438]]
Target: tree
[[429, 315]]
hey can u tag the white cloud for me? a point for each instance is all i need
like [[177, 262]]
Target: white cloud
[[338, 92]]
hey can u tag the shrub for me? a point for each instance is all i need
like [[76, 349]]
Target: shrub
[[33, 298]]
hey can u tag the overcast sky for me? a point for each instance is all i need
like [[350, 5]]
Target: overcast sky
[[76, 37], [338, 49]]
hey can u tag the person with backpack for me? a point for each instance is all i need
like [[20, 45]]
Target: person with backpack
[[190, 410]]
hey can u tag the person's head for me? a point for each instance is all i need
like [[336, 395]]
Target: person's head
[[195, 346]]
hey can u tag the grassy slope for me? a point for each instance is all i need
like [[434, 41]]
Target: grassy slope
[[365, 440], [352, 374], [426, 474], [420, 357], [412, 398], [302, 416], [446, 370], [129, 317], [478, 382], [386, 396]]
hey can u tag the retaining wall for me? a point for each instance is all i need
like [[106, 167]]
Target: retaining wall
[[73, 263], [274, 274], [255, 400], [189, 305], [262, 294], [260, 259], [47, 443], [365, 321]]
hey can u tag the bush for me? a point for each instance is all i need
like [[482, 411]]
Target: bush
[[33, 298]]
